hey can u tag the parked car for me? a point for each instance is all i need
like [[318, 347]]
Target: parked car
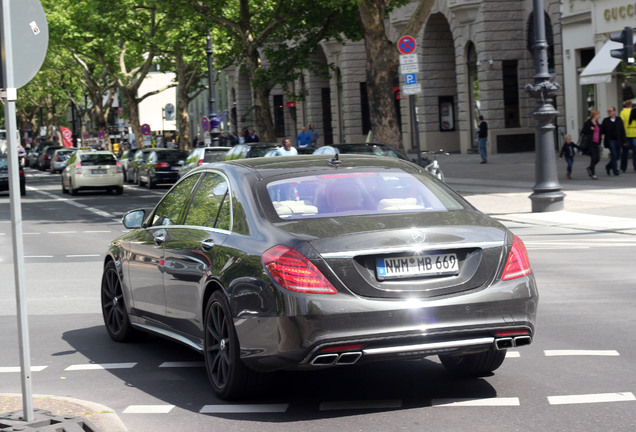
[[34, 154], [309, 262], [251, 150], [201, 155], [44, 158], [59, 158], [4, 175], [90, 169], [362, 149], [161, 166], [125, 159], [135, 164]]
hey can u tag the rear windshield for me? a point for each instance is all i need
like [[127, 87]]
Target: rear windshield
[[360, 193], [368, 150], [214, 155], [98, 159], [169, 156], [259, 151]]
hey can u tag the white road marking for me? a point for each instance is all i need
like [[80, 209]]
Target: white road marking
[[181, 364], [83, 256], [591, 398], [76, 204], [38, 256], [513, 354], [148, 409], [62, 232], [13, 369], [100, 366], [242, 409], [498, 401], [359, 405], [554, 353]]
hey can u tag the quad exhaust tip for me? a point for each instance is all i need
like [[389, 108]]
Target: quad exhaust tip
[[344, 359], [511, 342]]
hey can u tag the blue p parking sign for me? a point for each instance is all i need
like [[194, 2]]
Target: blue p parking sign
[[410, 78]]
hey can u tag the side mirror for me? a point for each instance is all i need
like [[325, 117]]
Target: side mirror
[[134, 219]]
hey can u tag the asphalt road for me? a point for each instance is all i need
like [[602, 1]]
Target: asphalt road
[[578, 375]]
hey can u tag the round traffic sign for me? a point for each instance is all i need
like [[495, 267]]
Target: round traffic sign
[[101, 134], [406, 45], [145, 129], [205, 124], [86, 135]]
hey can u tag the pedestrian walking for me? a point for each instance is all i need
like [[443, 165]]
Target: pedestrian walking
[[315, 136], [614, 138], [303, 140], [568, 151], [287, 149], [591, 141], [628, 115], [482, 139]]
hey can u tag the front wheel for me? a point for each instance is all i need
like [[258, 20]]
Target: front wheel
[[114, 307], [474, 365], [229, 377]]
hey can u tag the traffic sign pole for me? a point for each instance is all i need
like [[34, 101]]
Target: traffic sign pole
[[409, 67]]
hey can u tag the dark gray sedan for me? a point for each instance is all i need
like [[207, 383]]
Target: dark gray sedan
[[311, 262]]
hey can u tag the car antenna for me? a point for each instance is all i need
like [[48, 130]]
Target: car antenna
[[335, 161]]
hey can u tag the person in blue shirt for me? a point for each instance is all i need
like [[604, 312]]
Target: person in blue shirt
[[303, 140]]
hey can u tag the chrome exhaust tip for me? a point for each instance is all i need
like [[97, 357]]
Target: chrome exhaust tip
[[522, 340], [324, 360], [504, 343], [349, 358]]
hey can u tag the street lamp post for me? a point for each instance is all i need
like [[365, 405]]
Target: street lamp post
[[547, 195], [214, 119]]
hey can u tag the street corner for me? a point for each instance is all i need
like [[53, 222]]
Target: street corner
[[100, 416]]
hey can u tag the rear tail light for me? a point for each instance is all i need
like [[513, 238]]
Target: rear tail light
[[518, 264], [57, 158], [200, 162], [78, 168], [161, 165], [119, 170], [294, 272]]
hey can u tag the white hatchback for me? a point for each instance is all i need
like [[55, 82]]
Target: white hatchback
[[87, 169]]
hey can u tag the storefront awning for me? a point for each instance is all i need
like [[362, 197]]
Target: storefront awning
[[600, 69]]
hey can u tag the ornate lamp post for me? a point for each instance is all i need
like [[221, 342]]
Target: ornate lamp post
[[214, 119], [547, 195]]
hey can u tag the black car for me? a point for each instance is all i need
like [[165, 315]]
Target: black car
[[136, 163], [44, 158], [307, 262], [161, 166], [34, 154], [4, 175]]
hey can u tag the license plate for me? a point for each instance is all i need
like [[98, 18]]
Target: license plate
[[99, 171], [417, 265]]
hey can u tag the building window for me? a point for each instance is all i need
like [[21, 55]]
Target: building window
[[364, 105], [511, 93]]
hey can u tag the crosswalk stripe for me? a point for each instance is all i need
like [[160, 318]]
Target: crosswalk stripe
[[243, 409], [100, 366], [591, 398], [498, 401], [13, 369], [554, 353], [181, 364], [148, 409]]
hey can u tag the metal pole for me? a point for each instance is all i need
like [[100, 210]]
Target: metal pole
[[547, 195], [415, 134], [9, 96], [214, 122]]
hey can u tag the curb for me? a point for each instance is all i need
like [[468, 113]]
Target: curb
[[104, 418]]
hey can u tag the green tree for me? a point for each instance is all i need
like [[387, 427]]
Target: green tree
[[382, 62]]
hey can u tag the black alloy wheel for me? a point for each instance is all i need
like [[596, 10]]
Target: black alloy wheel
[[229, 377], [114, 307]]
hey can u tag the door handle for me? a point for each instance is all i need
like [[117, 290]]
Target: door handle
[[207, 244]]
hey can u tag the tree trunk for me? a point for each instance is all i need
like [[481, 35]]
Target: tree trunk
[[382, 65], [263, 115], [185, 141], [132, 104]]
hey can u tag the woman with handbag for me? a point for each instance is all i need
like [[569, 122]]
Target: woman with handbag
[[591, 141]]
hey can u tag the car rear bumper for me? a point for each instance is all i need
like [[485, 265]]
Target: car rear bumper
[[352, 330]]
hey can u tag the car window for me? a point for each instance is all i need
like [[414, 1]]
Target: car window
[[214, 155], [210, 206], [171, 156], [88, 159], [172, 205], [359, 193]]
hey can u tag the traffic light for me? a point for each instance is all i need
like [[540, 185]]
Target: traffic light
[[626, 37]]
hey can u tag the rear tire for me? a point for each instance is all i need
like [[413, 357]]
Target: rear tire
[[229, 377], [474, 365]]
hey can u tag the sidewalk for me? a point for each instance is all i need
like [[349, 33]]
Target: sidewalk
[[501, 188]]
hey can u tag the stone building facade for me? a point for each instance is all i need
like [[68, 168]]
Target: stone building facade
[[475, 57]]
